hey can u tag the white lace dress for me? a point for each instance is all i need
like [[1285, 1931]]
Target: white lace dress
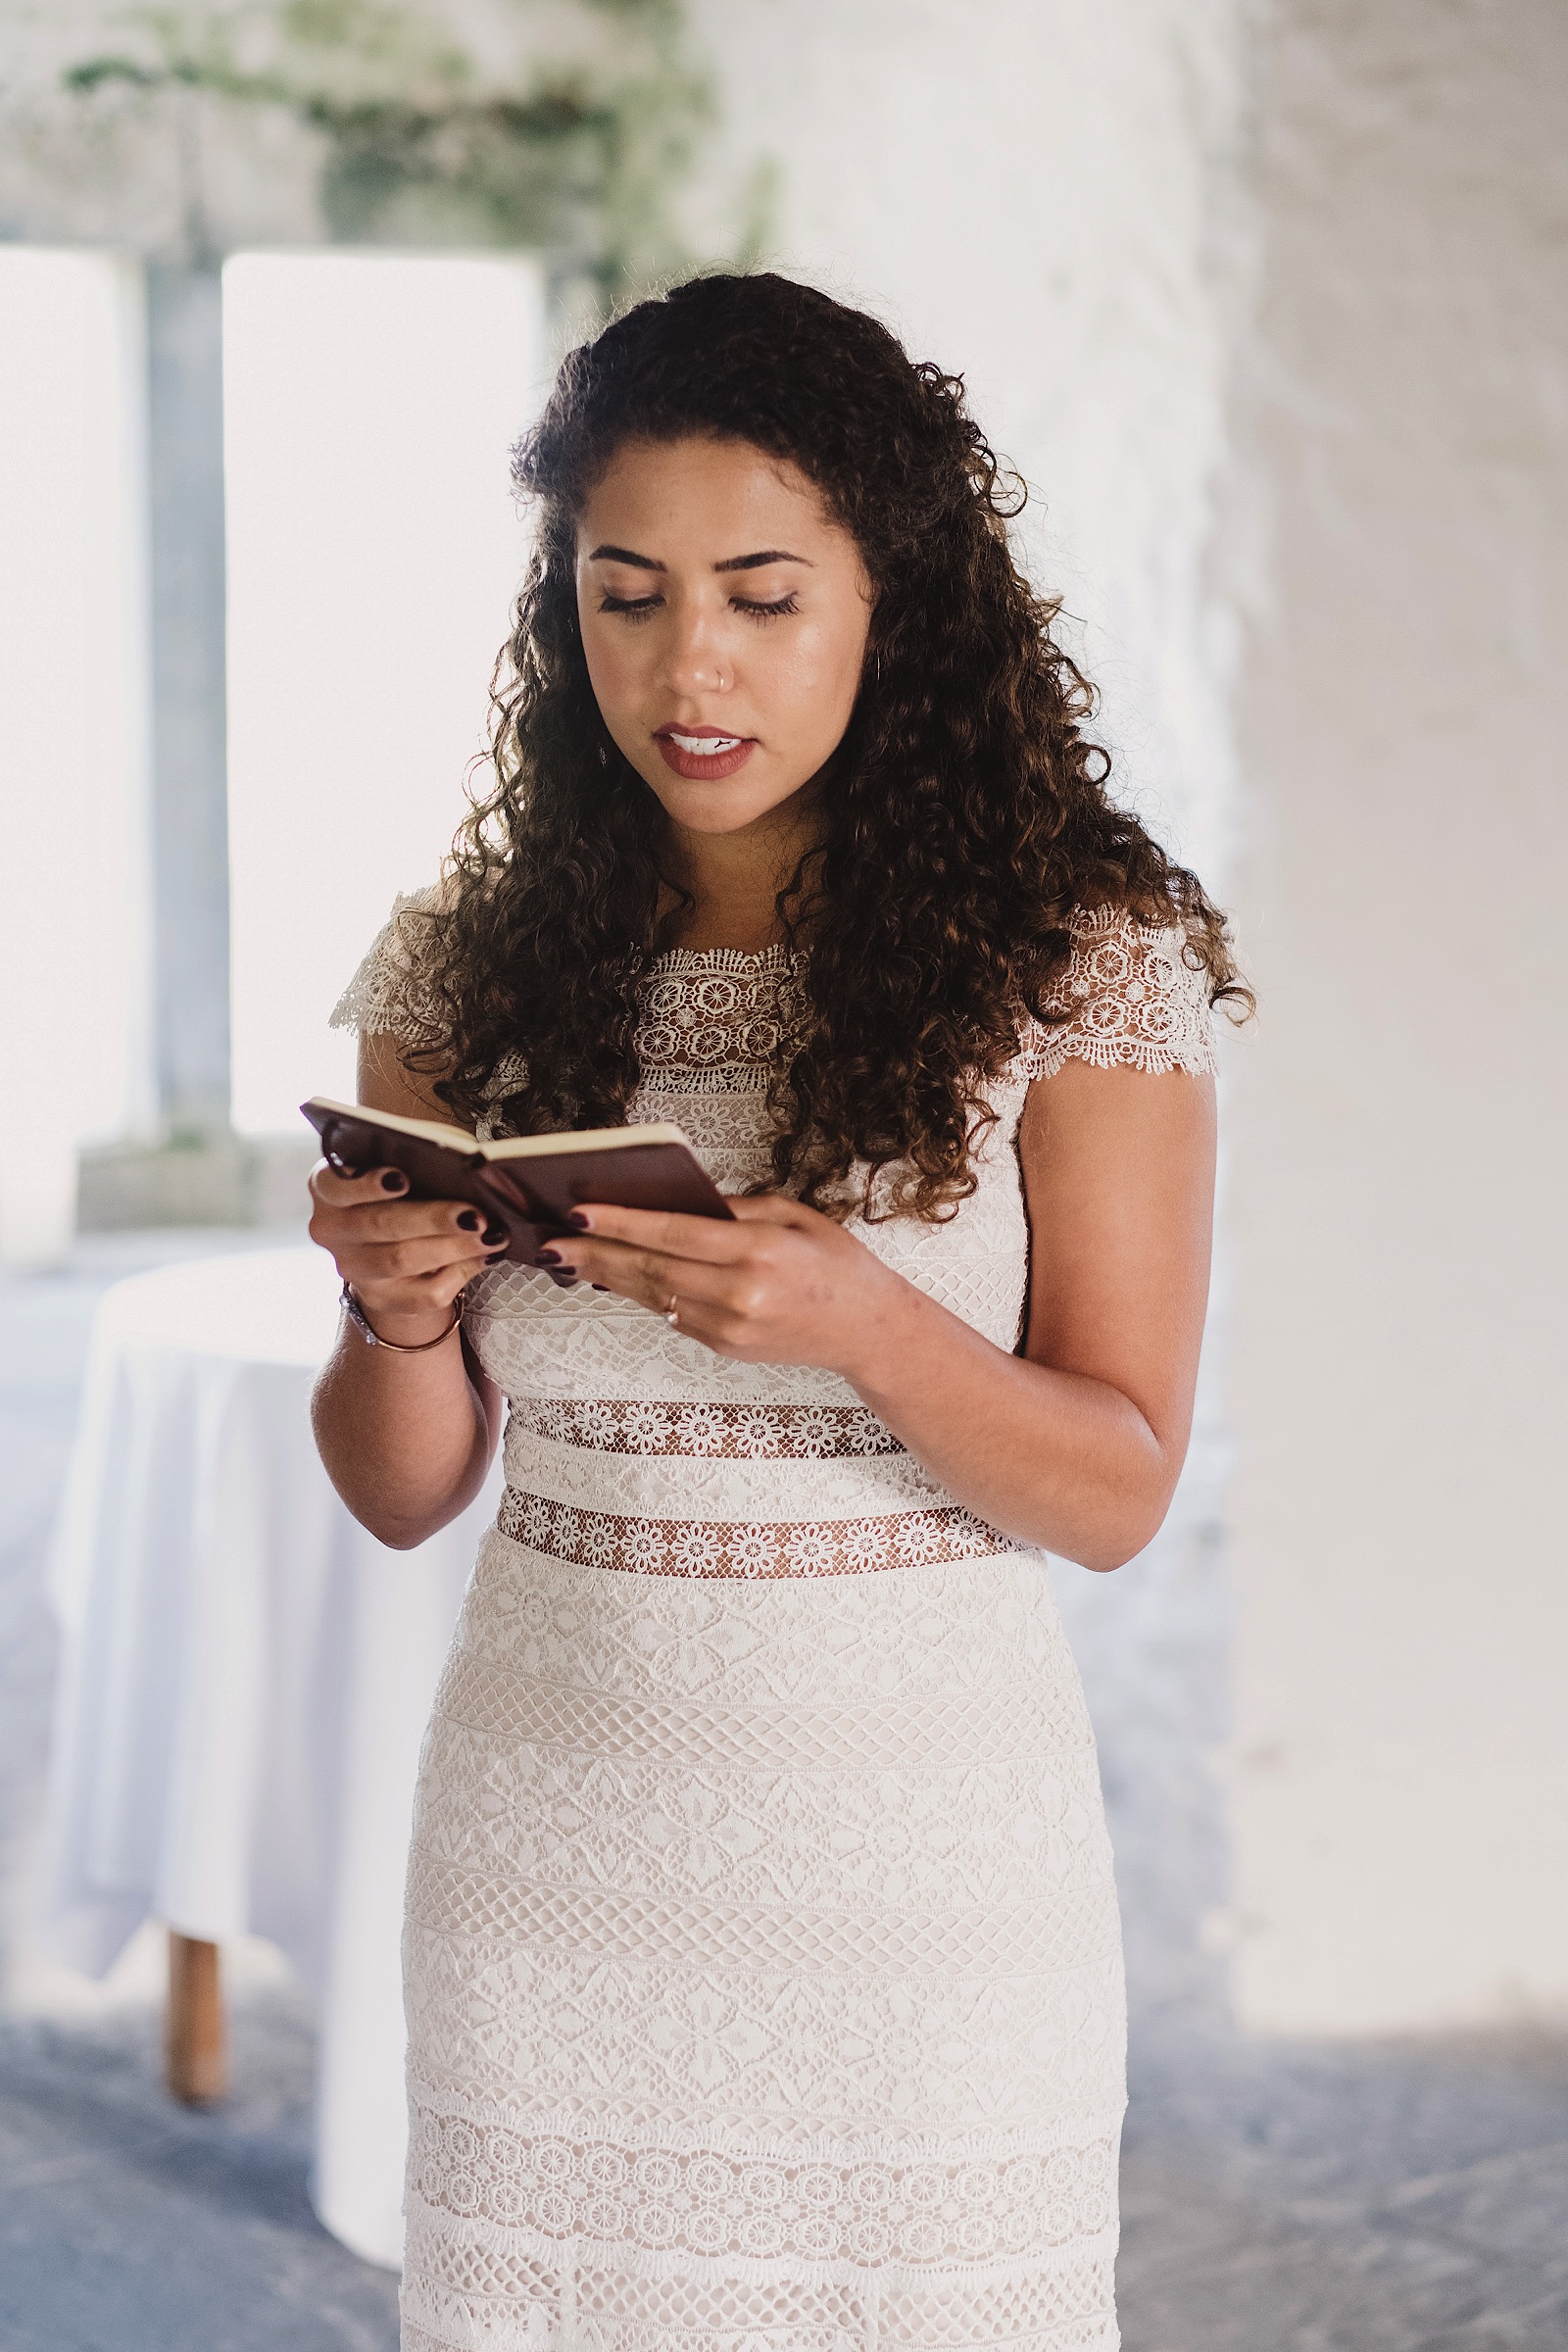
[[762, 1962]]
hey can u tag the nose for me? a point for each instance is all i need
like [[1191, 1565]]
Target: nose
[[695, 663]]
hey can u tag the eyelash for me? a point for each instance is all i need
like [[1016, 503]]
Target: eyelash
[[639, 608]]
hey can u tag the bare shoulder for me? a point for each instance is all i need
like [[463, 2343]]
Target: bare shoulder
[[1118, 1178], [1122, 1110], [398, 1007], [387, 1083]]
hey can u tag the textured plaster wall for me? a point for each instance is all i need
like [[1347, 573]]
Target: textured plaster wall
[[1401, 1130]]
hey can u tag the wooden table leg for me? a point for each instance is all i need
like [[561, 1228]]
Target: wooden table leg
[[196, 2031]]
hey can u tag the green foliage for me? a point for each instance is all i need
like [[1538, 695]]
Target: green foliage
[[577, 150]]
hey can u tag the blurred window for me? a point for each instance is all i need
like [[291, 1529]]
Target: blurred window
[[373, 553], [74, 834]]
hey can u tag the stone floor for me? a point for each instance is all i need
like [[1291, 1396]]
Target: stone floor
[[1387, 2198]]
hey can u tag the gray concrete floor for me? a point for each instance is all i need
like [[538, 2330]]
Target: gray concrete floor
[[1276, 2198], [130, 2224], [1390, 2198]]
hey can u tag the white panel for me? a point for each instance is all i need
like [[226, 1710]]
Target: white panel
[[373, 553], [74, 944]]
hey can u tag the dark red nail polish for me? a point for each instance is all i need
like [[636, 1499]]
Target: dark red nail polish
[[470, 1221], [600, 1285], [494, 1233], [577, 1220], [494, 1258], [548, 1258], [393, 1180], [564, 1277]]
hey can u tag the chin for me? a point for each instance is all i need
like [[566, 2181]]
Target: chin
[[720, 820], [715, 807]]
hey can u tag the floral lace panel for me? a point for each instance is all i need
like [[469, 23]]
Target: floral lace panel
[[744, 1548], [646, 1427], [799, 1856], [723, 1020], [1130, 996], [951, 1630], [515, 2019], [947, 2213]]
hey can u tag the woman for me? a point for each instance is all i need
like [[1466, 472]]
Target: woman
[[762, 1962]]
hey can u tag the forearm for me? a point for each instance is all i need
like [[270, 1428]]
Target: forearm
[[407, 1439], [1053, 1458]]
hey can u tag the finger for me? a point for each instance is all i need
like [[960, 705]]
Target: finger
[[450, 1280], [424, 1293], [339, 1187], [714, 1240], [410, 1259], [775, 1209], [651, 1277], [374, 1218], [438, 1286], [651, 1280], [379, 1198]]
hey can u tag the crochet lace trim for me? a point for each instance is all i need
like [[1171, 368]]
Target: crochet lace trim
[[1132, 994], [955, 2208]]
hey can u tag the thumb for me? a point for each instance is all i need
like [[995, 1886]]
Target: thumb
[[771, 1209]]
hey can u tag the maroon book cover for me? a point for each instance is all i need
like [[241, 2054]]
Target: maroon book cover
[[529, 1183]]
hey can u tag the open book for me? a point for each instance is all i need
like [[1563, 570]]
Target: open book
[[529, 1183]]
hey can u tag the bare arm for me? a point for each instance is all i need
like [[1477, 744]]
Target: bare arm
[[1075, 1445], [407, 1439]]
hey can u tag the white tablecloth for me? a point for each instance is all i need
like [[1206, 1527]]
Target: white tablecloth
[[247, 1678]]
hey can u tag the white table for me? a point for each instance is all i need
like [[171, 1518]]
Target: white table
[[246, 1682]]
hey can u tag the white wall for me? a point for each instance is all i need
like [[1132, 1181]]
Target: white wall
[[1027, 193], [1401, 1376], [373, 554], [76, 1051]]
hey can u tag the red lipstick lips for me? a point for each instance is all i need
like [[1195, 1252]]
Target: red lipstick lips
[[678, 749]]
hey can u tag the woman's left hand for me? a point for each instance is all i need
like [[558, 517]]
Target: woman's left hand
[[779, 1285]]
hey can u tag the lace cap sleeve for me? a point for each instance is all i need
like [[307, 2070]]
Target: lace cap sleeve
[[1130, 997], [389, 995]]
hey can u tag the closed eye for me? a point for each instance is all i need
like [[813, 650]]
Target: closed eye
[[638, 607], [756, 610]]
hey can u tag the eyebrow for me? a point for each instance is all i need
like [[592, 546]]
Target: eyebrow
[[753, 563]]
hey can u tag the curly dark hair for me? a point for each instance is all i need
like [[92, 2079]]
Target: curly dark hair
[[964, 818]]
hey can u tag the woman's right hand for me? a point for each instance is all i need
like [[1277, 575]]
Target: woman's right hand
[[407, 1260]]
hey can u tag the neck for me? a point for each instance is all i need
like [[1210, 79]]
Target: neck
[[733, 879]]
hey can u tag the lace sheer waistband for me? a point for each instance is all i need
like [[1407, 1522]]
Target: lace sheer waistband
[[649, 1427], [745, 1549]]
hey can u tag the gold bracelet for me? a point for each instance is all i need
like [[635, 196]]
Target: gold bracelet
[[372, 1337]]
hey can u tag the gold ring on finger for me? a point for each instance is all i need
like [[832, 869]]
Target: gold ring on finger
[[672, 1312]]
